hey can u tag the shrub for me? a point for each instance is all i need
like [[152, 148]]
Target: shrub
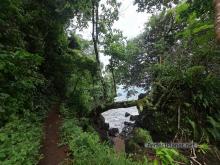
[[142, 136], [169, 156], [20, 84], [136, 143], [20, 142]]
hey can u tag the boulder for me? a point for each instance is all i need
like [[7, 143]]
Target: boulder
[[103, 124], [106, 126], [113, 131], [134, 117], [127, 114], [102, 118], [141, 96], [129, 123]]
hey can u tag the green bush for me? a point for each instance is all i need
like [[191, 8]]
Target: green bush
[[136, 143], [82, 122], [85, 147], [20, 84], [142, 136], [132, 146], [20, 142], [169, 156]]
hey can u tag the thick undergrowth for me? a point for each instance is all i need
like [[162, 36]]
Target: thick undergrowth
[[20, 142]]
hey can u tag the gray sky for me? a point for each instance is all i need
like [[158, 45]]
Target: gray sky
[[130, 22]]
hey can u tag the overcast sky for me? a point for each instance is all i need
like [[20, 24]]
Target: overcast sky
[[130, 22]]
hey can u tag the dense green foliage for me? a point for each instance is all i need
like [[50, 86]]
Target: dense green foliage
[[20, 142], [178, 60], [37, 55], [152, 5], [38, 60], [167, 156], [20, 84]]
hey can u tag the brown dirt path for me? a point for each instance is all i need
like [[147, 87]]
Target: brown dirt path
[[119, 144], [53, 154]]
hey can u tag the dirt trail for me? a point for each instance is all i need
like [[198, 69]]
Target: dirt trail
[[119, 144], [52, 152]]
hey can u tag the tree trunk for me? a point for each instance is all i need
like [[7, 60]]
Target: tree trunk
[[160, 59], [178, 124], [93, 94], [98, 110], [114, 83], [95, 31], [95, 38], [217, 19], [113, 77], [74, 89]]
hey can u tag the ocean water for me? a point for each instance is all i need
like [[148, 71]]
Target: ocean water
[[116, 117], [122, 93]]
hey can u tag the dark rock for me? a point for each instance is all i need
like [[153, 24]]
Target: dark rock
[[102, 119], [113, 131], [127, 114], [127, 131], [129, 123], [103, 124], [134, 117], [106, 126], [141, 96]]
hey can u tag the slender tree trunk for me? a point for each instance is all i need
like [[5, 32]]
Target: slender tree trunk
[[113, 76], [95, 31], [178, 117], [217, 19], [77, 81], [114, 82], [161, 60], [93, 94], [95, 38]]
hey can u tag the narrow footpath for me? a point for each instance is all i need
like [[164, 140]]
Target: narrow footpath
[[53, 154], [119, 144]]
